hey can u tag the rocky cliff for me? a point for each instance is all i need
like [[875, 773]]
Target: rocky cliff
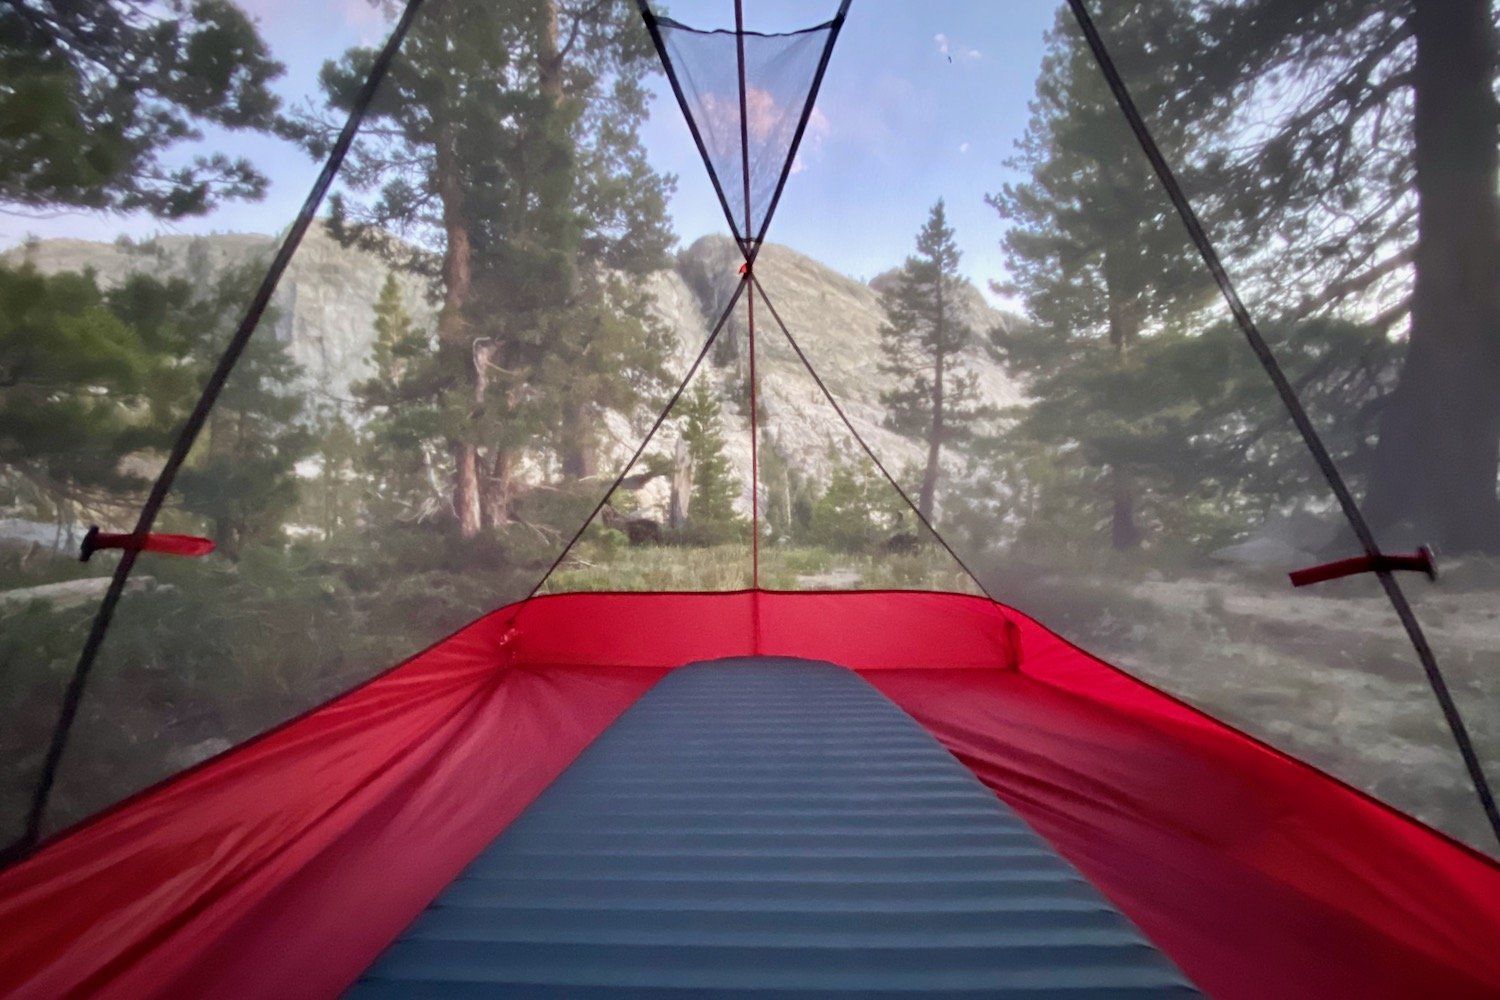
[[323, 312], [836, 320], [322, 309]]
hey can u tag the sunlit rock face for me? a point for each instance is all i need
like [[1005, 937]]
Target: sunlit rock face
[[323, 308], [324, 312], [836, 319]]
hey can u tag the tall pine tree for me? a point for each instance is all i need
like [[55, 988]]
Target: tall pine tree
[[935, 397], [241, 475], [1093, 249], [505, 151], [1373, 191], [711, 515], [77, 391], [400, 402]]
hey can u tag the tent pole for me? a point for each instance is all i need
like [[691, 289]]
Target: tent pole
[[249, 323], [661, 418], [1379, 561], [739, 38]]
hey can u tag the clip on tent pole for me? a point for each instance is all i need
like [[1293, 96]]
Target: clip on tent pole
[[1420, 562]]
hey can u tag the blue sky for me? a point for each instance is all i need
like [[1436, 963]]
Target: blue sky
[[922, 100]]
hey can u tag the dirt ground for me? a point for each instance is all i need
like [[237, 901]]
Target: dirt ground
[[1331, 678]]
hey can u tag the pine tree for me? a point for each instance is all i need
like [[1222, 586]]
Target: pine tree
[[400, 402], [711, 513], [856, 511], [1372, 193], [77, 388], [100, 93], [335, 507], [241, 475], [506, 150], [1093, 251], [96, 377], [1438, 458], [936, 395]]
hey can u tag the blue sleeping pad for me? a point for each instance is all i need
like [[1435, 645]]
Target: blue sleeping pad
[[769, 827]]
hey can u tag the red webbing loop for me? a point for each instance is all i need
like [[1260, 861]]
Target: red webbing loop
[[1418, 562], [173, 545]]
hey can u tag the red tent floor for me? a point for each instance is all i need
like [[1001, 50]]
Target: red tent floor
[[284, 867]]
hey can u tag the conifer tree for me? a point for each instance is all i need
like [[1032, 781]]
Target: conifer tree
[[337, 492], [241, 475], [505, 149], [1093, 250], [76, 389], [99, 94], [1373, 191], [856, 510], [711, 513], [936, 395], [93, 377], [400, 402]]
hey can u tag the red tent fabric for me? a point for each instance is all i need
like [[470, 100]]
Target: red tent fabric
[[284, 867]]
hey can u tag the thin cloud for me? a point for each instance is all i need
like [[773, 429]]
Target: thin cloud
[[367, 20], [951, 50], [812, 139], [767, 122]]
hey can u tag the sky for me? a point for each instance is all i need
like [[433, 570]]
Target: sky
[[922, 100]]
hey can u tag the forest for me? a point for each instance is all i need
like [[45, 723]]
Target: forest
[[1343, 156]]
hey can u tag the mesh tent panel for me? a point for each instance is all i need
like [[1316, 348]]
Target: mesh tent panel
[[779, 74], [222, 648], [167, 291]]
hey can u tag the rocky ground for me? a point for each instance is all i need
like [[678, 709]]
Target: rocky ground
[[1333, 680]]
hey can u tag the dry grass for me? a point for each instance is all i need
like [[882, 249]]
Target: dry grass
[[727, 567]]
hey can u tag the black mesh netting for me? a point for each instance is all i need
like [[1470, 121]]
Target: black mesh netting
[[749, 161]]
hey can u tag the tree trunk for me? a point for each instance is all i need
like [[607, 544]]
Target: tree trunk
[[682, 486], [549, 59], [1124, 333], [928, 495], [226, 539], [494, 492], [1124, 533], [579, 459], [452, 327], [1435, 466]]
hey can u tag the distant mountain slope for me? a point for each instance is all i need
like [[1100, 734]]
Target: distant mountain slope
[[837, 321], [323, 306], [324, 315]]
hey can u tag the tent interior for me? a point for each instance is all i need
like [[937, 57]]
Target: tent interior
[[827, 480]]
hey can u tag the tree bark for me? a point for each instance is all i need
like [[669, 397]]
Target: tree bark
[[1435, 465], [1124, 533], [928, 496], [550, 59], [680, 502], [452, 327], [494, 493], [1124, 313], [580, 460]]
